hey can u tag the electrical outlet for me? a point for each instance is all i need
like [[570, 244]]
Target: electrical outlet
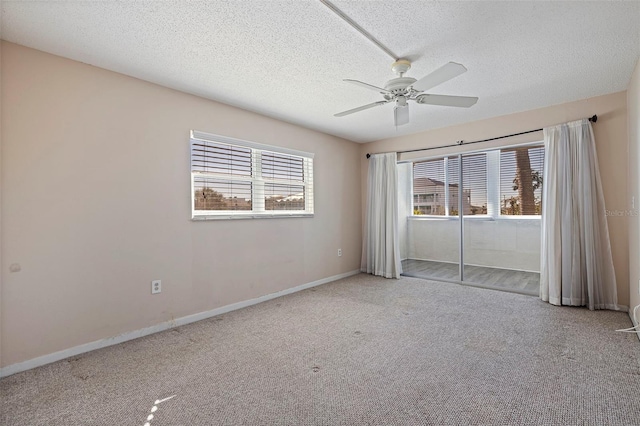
[[156, 286], [339, 252]]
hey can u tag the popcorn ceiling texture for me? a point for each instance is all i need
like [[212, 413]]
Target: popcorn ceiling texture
[[359, 351], [287, 59]]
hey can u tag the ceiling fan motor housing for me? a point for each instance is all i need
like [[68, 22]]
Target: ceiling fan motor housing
[[402, 89], [398, 86]]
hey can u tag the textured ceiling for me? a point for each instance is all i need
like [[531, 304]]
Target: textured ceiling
[[287, 59]]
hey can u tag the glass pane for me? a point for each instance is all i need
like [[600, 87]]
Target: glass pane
[[283, 197], [474, 176], [433, 248], [521, 175], [217, 194], [428, 188], [453, 178], [503, 253], [433, 243]]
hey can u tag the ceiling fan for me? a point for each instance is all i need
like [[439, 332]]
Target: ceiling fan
[[403, 89]]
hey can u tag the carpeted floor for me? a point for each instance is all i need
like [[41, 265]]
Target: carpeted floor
[[359, 351]]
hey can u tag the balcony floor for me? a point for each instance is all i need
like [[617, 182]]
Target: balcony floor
[[482, 276]]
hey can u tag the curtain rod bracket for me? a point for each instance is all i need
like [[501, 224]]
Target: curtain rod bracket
[[368, 155], [593, 119], [460, 142]]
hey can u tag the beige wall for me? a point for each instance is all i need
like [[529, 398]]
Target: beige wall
[[1, 197], [94, 187], [633, 105], [96, 204], [611, 144]]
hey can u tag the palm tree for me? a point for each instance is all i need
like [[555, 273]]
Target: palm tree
[[524, 182]]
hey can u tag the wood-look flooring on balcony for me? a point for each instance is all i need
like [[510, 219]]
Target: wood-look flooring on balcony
[[495, 278]]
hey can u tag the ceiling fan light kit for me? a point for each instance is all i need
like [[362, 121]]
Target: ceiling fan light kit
[[402, 89], [401, 113]]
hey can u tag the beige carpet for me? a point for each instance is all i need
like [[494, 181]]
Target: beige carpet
[[360, 351]]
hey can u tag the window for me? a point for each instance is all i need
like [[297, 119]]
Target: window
[[429, 187], [521, 173], [452, 179], [500, 182], [474, 184], [436, 192], [231, 178]]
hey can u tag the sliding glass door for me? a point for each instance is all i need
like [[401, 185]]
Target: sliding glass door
[[433, 243], [513, 260], [474, 205], [476, 218]]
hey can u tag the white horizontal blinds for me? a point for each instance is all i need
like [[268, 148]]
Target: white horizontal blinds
[[521, 173], [218, 158], [474, 184], [236, 178], [429, 187], [221, 176], [453, 179], [282, 167], [285, 186]]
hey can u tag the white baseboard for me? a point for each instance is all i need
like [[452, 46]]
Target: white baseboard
[[103, 343]]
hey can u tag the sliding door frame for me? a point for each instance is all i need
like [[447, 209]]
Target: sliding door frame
[[461, 215]]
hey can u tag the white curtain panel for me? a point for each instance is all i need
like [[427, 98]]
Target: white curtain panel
[[381, 247], [576, 262]]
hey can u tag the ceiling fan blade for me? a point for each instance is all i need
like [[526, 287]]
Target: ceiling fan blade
[[444, 100], [362, 108], [368, 86], [401, 115], [439, 76]]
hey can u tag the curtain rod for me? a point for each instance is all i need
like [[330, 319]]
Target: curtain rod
[[592, 119]]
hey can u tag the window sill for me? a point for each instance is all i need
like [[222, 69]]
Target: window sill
[[517, 217], [473, 217], [199, 218]]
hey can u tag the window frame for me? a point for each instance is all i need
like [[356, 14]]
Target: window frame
[[493, 205], [447, 189], [257, 180]]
